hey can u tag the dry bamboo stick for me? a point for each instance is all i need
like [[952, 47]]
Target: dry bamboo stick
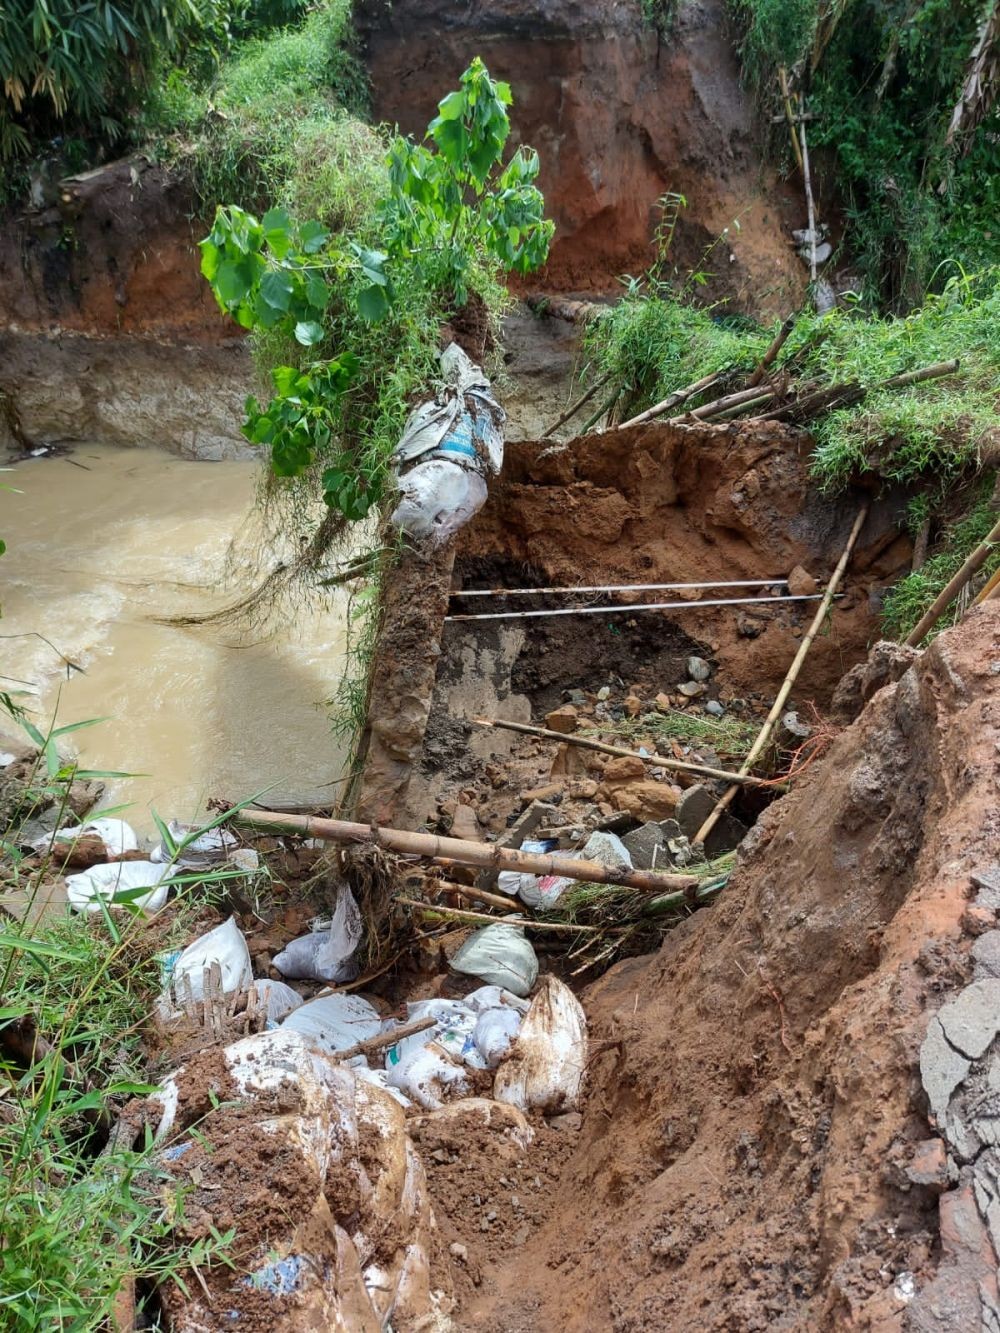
[[933, 372], [634, 606], [655, 760], [944, 599], [849, 394], [601, 411], [810, 204], [619, 587], [672, 400], [789, 114], [989, 590], [478, 895], [457, 851], [744, 407], [460, 914], [720, 405], [580, 402], [765, 732], [769, 356], [384, 1039]]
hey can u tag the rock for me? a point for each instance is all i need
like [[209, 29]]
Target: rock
[[465, 824], [801, 583], [793, 730], [929, 1165], [714, 709], [987, 881], [978, 920], [633, 705], [695, 805], [571, 761], [552, 792], [985, 953], [646, 800], [562, 719], [647, 846], [583, 791], [623, 769], [568, 1123], [663, 703], [886, 663], [972, 1019], [615, 821], [608, 849], [698, 668], [458, 1251], [749, 625], [942, 1069], [603, 694], [691, 689], [576, 697]]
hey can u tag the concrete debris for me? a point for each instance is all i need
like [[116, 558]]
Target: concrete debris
[[987, 881], [942, 1069], [972, 1019], [793, 730]]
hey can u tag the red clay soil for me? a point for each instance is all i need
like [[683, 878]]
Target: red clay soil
[[754, 1096], [692, 503]]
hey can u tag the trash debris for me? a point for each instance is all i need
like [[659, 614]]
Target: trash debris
[[210, 848], [276, 999], [333, 1022], [545, 1069], [326, 955], [448, 448], [427, 1074], [132, 883], [225, 945], [501, 956]]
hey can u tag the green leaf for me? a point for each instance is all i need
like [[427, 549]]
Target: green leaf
[[452, 107], [285, 379], [233, 282], [211, 257], [373, 303], [276, 225], [40, 948], [312, 237], [276, 289], [317, 292], [308, 333]]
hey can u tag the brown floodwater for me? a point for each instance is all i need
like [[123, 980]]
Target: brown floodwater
[[100, 542]]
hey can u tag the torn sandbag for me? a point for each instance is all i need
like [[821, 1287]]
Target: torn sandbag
[[275, 998], [207, 849], [448, 449], [327, 954], [335, 1022], [339, 1232], [123, 883], [544, 1071], [185, 973]]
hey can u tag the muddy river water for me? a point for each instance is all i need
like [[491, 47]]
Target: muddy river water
[[100, 542]]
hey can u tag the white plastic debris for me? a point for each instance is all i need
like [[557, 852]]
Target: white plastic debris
[[495, 1032], [326, 955], [117, 836], [381, 1080], [542, 891], [224, 945], [545, 1069], [447, 450], [335, 1022], [492, 997], [210, 848], [120, 882], [501, 956], [427, 1075], [276, 999]]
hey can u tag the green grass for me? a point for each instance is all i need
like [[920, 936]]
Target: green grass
[[729, 736]]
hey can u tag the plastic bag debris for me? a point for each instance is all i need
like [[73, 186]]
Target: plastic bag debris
[[545, 1069], [381, 1080], [117, 836], [326, 955], [334, 1022], [447, 450], [210, 848], [224, 945], [120, 880], [501, 956], [353, 1255], [276, 999], [542, 890]]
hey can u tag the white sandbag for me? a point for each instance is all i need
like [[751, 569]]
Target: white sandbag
[[118, 881], [117, 836], [437, 498], [380, 1079], [510, 881], [224, 945], [545, 1069], [495, 1032], [501, 956], [492, 997], [334, 1022], [326, 955], [455, 1023], [427, 1075], [276, 999], [210, 848]]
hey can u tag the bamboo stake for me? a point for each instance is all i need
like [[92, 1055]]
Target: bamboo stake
[[849, 394], [744, 407], [944, 599], [459, 914], [580, 402], [608, 407], [618, 587], [384, 1039], [720, 405], [786, 688], [810, 205], [988, 591], [458, 851], [654, 760], [769, 356], [672, 400], [789, 114], [633, 606], [478, 895]]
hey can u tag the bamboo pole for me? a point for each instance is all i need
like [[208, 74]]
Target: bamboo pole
[[769, 356], [654, 760], [383, 1039], [848, 394], [580, 402], [632, 607], [618, 587], [672, 400], [988, 591], [477, 895], [744, 407], [944, 599], [601, 411], [457, 851], [810, 204], [460, 914], [720, 405], [789, 113], [786, 688]]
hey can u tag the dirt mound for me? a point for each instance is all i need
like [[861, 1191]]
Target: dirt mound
[[757, 1101]]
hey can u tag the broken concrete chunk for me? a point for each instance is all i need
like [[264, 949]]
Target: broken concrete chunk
[[647, 846], [972, 1019], [691, 689], [987, 881], [607, 849], [986, 955], [942, 1069]]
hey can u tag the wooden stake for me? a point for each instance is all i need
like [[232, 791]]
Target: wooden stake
[[765, 732], [384, 1039], [467, 891], [789, 114], [655, 760], [580, 402], [769, 356], [672, 400], [458, 851], [459, 914], [810, 206], [947, 595]]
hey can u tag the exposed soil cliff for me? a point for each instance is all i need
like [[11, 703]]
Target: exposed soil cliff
[[620, 117]]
